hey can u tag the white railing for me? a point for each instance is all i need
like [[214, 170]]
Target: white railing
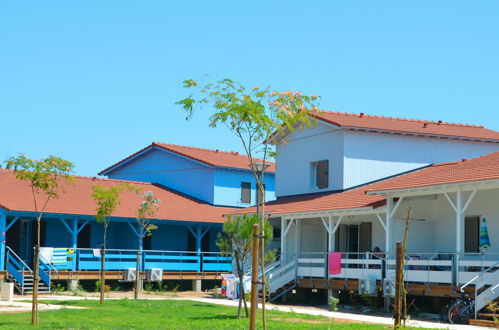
[[434, 268]]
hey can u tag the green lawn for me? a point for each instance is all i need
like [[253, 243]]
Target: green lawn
[[163, 314]]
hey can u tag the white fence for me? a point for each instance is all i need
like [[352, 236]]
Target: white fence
[[428, 268]]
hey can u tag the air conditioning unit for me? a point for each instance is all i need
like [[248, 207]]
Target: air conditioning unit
[[388, 288], [154, 274], [130, 274], [368, 286]]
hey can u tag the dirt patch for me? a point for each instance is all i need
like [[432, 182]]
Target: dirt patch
[[129, 294], [297, 320]]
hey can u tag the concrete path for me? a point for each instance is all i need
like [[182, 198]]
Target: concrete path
[[19, 306]]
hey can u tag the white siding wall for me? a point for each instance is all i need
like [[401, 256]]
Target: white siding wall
[[313, 236], [438, 232], [373, 156], [303, 147]]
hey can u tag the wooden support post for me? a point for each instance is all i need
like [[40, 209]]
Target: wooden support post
[[75, 233], [254, 278], [3, 230], [397, 310]]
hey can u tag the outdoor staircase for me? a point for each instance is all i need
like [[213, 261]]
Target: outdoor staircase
[[485, 292], [22, 276], [281, 276]]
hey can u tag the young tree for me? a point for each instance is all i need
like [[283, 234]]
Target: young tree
[[255, 116], [236, 240], [45, 177], [400, 310], [108, 200], [146, 211]]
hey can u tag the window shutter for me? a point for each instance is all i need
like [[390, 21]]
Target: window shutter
[[322, 178], [365, 237], [340, 239], [471, 234], [245, 192]]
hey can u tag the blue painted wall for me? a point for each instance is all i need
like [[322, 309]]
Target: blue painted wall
[[169, 169], [218, 186], [228, 187]]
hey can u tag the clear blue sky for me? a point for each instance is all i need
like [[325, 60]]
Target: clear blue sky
[[94, 81]]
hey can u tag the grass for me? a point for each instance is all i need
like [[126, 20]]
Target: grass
[[163, 314]]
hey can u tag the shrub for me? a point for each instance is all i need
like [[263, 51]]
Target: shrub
[[333, 303]]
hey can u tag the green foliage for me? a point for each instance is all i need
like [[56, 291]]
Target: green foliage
[[333, 303], [256, 116], [108, 199], [148, 287], [107, 288], [44, 175], [145, 212], [58, 288], [236, 238]]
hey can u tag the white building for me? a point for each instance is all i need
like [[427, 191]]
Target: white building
[[347, 184]]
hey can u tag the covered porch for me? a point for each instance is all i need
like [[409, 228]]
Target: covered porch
[[73, 243], [443, 238]]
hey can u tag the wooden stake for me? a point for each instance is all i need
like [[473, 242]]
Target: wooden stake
[[254, 278], [397, 310]]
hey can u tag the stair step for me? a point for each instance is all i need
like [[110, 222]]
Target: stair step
[[489, 315], [484, 323]]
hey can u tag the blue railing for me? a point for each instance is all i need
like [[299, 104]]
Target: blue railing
[[120, 259], [16, 267]]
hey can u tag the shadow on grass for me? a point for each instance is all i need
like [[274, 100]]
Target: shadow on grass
[[216, 317]]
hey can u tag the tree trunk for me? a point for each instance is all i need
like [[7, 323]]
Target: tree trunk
[[238, 266], [103, 266], [398, 285], [262, 255], [137, 272], [34, 306]]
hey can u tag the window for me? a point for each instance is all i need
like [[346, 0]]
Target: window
[[84, 236], [471, 234], [245, 192], [319, 176], [259, 194]]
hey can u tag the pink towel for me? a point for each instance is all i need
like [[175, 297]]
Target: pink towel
[[334, 263]]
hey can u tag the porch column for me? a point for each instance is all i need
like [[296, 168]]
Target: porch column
[[330, 234], [283, 237], [75, 234], [388, 224], [198, 239], [3, 230], [459, 221]]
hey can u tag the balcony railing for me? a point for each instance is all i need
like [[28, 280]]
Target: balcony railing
[[439, 268], [120, 259]]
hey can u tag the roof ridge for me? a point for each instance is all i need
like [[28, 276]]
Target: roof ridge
[[234, 153], [362, 115]]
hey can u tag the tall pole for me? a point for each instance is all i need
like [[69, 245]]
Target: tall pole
[[254, 278], [398, 286]]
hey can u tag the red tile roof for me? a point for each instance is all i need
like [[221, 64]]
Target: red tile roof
[[16, 195], [476, 169], [411, 126], [218, 158], [350, 199]]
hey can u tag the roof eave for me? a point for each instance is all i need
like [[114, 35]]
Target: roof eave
[[423, 190]]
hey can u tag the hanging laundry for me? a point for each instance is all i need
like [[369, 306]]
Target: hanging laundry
[[60, 256], [334, 263]]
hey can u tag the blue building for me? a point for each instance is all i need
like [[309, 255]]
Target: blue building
[[197, 187], [217, 177]]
